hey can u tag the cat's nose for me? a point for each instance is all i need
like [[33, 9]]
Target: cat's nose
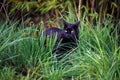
[[68, 36]]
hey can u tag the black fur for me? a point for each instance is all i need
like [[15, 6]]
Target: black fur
[[67, 36]]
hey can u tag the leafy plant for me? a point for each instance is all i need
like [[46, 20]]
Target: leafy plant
[[24, 56]]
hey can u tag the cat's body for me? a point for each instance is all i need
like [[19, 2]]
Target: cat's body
[[53, 31], [67, 36]]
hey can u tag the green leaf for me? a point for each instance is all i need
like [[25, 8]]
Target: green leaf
[[114, 4]]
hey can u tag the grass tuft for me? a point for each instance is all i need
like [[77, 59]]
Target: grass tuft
[[24, 56]]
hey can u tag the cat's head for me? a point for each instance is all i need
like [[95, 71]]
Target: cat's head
[[71, 30]]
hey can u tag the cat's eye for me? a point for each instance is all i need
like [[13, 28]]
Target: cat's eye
[[72, 31], [66, 31]]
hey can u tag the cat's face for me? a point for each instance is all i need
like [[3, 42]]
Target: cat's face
[[70, 30]]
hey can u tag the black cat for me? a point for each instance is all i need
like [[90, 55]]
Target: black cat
[[67, 37]]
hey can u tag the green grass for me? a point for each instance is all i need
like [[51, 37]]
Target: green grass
[[23, 55]]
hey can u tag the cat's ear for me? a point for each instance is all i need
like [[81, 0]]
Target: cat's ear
[[65, 23], [76, 24]]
